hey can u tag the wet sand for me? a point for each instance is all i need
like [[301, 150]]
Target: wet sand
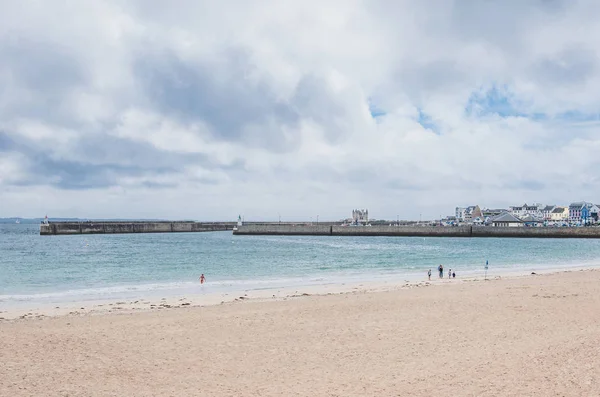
[[532, 335]]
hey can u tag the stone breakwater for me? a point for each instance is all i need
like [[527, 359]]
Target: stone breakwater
[[67, 228], [417, 231]]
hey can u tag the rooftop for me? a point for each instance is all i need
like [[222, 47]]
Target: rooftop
[[507, 217], [530, 218]]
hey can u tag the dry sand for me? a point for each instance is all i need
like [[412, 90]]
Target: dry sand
[[536, 335]]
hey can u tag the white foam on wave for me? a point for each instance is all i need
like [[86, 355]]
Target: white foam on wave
[[179, 288], [151, 289]]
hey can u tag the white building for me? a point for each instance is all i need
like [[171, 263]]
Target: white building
[[492, 212], [559, 215], [360, 217], [507, 220], [583, 211], [547, 212], [468, 214], [520, 211], [460, 214]]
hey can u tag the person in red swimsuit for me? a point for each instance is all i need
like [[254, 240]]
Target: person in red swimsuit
[[202, 278]]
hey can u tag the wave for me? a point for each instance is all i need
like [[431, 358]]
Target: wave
[[168, 287], [181, 288]]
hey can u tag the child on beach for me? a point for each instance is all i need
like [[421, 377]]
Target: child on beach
[[453, 275], [429, 274], [441, 270], [449, 273]]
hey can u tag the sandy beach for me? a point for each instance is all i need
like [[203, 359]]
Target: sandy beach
[[520, 336]]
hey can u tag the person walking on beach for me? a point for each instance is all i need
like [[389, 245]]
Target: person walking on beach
[[449, 273], [441, 270], [429, 274], [202, 278]]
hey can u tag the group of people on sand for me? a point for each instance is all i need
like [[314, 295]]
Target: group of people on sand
[[451, 274]]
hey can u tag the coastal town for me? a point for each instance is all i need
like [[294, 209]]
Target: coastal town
[[576, 214]]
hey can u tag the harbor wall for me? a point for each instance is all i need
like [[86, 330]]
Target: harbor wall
[[331, 230], [287, 230], [73, 228], [537, 232], [68, 228], [418, 231], [385, 230]]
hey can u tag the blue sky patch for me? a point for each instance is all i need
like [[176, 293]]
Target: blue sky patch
[[576, 116], [427, 122], [376, 112], [501, 102], [495, 100]]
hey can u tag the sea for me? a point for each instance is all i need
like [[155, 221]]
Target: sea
[[51, 269]]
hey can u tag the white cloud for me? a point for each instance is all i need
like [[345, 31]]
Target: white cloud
[[209, 109]]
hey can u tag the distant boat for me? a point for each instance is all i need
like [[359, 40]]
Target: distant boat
[[18, 221]]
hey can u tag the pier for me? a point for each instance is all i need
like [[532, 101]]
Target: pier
[[308, 229], [119, 227], [418, 231]]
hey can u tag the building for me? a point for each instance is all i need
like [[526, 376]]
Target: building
[[492, 212], [507, 220], [360, 217], [473, 212], [589, 213], [459, 214], [532, 221], [583, 212], [448, 221], [559, 215], [478, 221], [595, 213], [547, 211], [575, 211], [468, 214], [522, 210]]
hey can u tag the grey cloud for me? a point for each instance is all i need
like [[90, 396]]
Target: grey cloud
[[67, 174], [157, 185], [421, 80], [314, 101], [86, 167], [496, 21], [362, 175], [6, 142], [524, 184], [220, 96], [38, 76], [368, 177], [554, 6], [403, 184], [107, 149], [570, 66], [500, 23], [97, 161], [40, 66], [235, 107]]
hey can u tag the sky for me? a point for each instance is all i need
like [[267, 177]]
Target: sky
[[208, 110]]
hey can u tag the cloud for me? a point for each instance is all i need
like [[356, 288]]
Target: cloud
[[208, 110], [215, 92]]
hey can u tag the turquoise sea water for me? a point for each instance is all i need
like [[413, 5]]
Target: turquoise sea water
[[89, 267]]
